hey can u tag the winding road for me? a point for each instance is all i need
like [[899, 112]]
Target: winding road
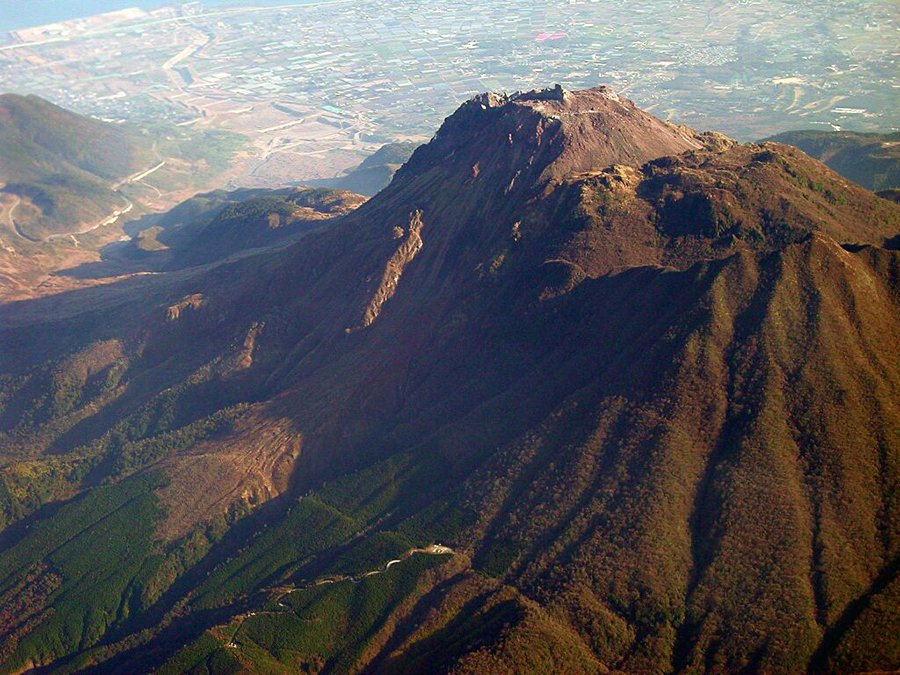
[[137, 177], [14, 226], [109, 220], [282, 591]]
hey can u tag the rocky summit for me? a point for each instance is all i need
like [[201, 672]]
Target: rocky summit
[[579, 391]]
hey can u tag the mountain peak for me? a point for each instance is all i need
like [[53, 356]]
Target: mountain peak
[[539, 137], [555, 186], [556, 95]]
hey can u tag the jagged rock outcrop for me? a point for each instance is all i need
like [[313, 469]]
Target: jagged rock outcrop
[[407, 250]]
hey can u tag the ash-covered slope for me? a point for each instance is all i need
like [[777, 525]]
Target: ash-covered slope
[[642, 381]]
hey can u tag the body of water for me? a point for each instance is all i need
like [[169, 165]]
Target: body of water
[[15, 14]]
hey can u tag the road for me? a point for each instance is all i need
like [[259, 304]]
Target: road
[[283, 591], [109, 220], [118, 213], [113, 217], [433, 549], [278, 127], [14, 226], [12, 210], [176, 78], [134, 178]]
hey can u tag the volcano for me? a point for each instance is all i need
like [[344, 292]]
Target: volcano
[[580, 391]]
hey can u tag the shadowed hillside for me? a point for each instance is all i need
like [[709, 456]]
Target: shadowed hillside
[[215, 225], [374, 173], [872, 160]]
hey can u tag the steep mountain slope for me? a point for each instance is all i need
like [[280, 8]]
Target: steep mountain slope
[[640, 381], [374, 172], [872, 160]]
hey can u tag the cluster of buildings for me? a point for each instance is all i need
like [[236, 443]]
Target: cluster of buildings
[[396, 68]]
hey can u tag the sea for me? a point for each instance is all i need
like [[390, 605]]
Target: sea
[[16, 14]]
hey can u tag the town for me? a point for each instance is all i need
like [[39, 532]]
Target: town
[[317, 85]]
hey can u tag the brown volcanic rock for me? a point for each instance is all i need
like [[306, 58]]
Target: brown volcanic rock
[[705, 204], [543, 136], [475, 182], [730, 429], [645, 377]]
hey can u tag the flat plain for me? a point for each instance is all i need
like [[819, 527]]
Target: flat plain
[[318, 85]]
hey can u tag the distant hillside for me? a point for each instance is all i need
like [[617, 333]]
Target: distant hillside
[[872, 160], [374, 173], [893, 194], [61, 172], [217, 224], [35, 131], [62, 164]]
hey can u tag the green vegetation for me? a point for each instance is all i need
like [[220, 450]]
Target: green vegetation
[[208, 152], [370, 553], [63, 163], [146, 241], [204, 656], [65, 166], [35, 135], [28, 484], [127, 456], [369, 493], [101, 547], [62, 198], [658, 437], [277, 552], [326, 626], [334, 621], [160, 428]]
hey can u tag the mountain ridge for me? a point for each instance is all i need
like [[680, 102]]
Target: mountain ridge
[[642, 387], [872, 160]]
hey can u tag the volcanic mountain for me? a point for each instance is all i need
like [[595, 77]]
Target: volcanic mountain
[[580, 391]]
